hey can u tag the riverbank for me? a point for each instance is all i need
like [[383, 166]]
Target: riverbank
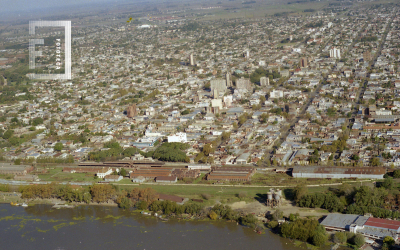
[[242, 208]]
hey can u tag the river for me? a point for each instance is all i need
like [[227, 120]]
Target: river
[[101, 227]]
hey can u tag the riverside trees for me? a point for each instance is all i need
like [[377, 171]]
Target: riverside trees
[[305, 230], [380, 202]]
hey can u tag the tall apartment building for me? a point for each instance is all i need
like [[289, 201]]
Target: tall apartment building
[[367, 56], [219, 84], [244, 83], [131, 111], [303, 62], [191, 60], [264, 81], [334, 53], [228, 79], [215, 94]]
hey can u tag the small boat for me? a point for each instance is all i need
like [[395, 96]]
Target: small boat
[[24, 205], [14, 204]]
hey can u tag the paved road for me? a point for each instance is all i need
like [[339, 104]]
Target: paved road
[[377, 54], [246, 186]]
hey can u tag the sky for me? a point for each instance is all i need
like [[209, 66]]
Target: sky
[[32, 5]]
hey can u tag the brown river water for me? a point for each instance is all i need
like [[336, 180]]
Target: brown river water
[[100, 227]]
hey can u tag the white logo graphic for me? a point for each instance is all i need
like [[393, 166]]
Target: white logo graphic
[[33, 53]]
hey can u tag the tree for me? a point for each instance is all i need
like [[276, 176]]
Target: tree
[[207, 149], [213, 215], [37, 121], [242, 119], [148, 194], [125, 203], [264, 117], [355, 157], [102, 193], [141, 205], [340, 237], [8, 134], [319, 239], [122, 172], [225, 135], [277, 215], [359, 240], [17, 162], [134, 194], [396, 173], [58, 147], [375, 162], [388, 240], [388, 183], [300, 191]]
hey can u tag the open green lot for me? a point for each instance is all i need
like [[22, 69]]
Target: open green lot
[[56, 174]]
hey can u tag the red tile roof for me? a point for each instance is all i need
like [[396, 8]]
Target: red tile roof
[[382, 223]]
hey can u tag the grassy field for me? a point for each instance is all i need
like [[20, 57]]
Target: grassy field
[[6, 176], [56, 174], [281, 179]]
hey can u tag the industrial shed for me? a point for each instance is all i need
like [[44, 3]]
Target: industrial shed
[[339, 172], [373, 228]]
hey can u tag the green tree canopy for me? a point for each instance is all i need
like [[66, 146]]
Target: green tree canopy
[[58, 147]]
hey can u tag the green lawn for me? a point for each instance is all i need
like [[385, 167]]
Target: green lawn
[[7, 176], [274, 179], [199, 178], [125, 181], [56, 174], [224, 194]]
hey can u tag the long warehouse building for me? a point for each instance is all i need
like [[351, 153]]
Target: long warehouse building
[[339, 172]]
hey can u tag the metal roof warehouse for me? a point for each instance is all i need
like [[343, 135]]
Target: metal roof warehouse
[[339, 172], [374, 228]]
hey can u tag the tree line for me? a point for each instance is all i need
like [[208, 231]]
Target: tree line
[[168, 151], [381, 202], [139, 198]]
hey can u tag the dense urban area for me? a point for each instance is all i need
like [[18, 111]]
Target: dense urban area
[[290, 101]]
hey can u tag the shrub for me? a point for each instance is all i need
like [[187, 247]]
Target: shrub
[[272, 224], [141, 205], [340, 237], [125, 203], [293, 217], [206, 196], [359, 240], [242, 195], [319, 239], [389, 241], [248, 220], [58, 146], [396, 173], [213, 215]]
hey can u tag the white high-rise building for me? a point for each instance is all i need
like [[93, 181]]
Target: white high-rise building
[[228, 79], [264, 81], [191, 60], [334, 53]]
